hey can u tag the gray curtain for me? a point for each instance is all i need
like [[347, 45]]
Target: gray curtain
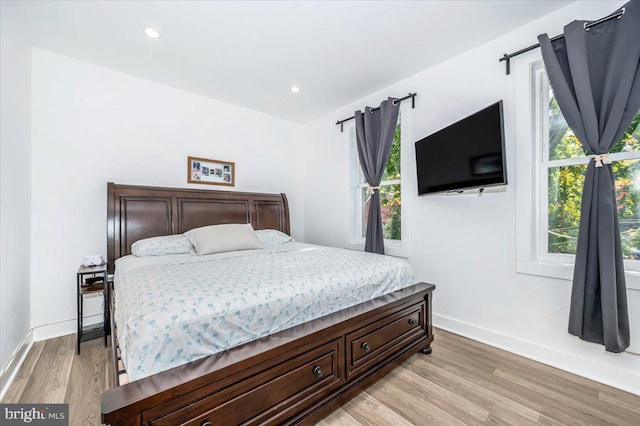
[[374, 136], [595, 76]]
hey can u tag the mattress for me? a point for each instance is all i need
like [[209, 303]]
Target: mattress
[[178, 308]]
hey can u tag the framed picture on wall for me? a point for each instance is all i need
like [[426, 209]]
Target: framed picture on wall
[[211, 172]]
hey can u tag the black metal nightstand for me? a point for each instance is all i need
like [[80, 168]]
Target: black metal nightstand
[[93, 280]]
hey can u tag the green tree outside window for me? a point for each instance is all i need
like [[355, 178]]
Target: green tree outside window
[[565, 184], [390, 193]]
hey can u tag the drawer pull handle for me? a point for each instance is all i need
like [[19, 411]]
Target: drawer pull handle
[[365, 347], [317, 371], [412, 321], [205, 423]]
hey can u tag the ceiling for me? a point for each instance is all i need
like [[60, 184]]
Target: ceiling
[[251, 53]]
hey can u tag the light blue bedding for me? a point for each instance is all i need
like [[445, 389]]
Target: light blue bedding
[[174, 309]]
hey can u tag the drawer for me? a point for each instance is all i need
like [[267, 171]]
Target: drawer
[[270, 396], [377, 340]]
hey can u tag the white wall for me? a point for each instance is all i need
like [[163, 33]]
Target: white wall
[[465, 244], [15, 64], [92, 125]]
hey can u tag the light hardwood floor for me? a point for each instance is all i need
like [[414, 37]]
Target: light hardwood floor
[[462, 382]]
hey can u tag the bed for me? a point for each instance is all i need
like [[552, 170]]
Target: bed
[[269, 370]]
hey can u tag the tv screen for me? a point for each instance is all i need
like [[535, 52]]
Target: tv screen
[[467, 154]]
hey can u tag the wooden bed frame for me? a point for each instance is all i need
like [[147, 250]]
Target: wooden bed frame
[[296, 376]]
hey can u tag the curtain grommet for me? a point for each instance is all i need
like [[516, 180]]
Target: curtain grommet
[[622, 11]]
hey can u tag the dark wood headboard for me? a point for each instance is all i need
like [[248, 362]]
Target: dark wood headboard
[[136, 212]]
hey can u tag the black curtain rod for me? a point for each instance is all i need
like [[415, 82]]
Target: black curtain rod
[[507, 56], [411, 96]]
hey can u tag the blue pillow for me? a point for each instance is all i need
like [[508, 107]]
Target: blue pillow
[[160, 246], [272, 238]]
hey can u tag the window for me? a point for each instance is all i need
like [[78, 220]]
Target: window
[[391, 197], [562, 170], [556, 182], [390, 194]]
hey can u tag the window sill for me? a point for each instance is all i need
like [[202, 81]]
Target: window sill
[[564, 271], [390, 248]]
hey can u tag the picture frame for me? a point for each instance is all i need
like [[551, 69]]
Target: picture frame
[[211, 172]]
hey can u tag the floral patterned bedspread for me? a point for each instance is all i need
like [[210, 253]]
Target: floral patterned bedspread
[[177, 308]]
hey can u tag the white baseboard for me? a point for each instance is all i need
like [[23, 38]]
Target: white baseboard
[[592, 369], [37, 334], [62, 328], [11, 369]]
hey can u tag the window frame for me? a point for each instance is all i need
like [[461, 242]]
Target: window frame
[[532, 168], [359, 207], [353, 240]]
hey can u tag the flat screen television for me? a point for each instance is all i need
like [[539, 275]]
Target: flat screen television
[[465, 155]]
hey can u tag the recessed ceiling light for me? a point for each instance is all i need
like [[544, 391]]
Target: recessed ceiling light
[[295, 89], [151, 33]]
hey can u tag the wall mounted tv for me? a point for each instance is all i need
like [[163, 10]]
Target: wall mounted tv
[[467, 154]]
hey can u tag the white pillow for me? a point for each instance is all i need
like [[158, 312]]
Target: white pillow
[[222, 238], [272, 237], [159, 246]]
